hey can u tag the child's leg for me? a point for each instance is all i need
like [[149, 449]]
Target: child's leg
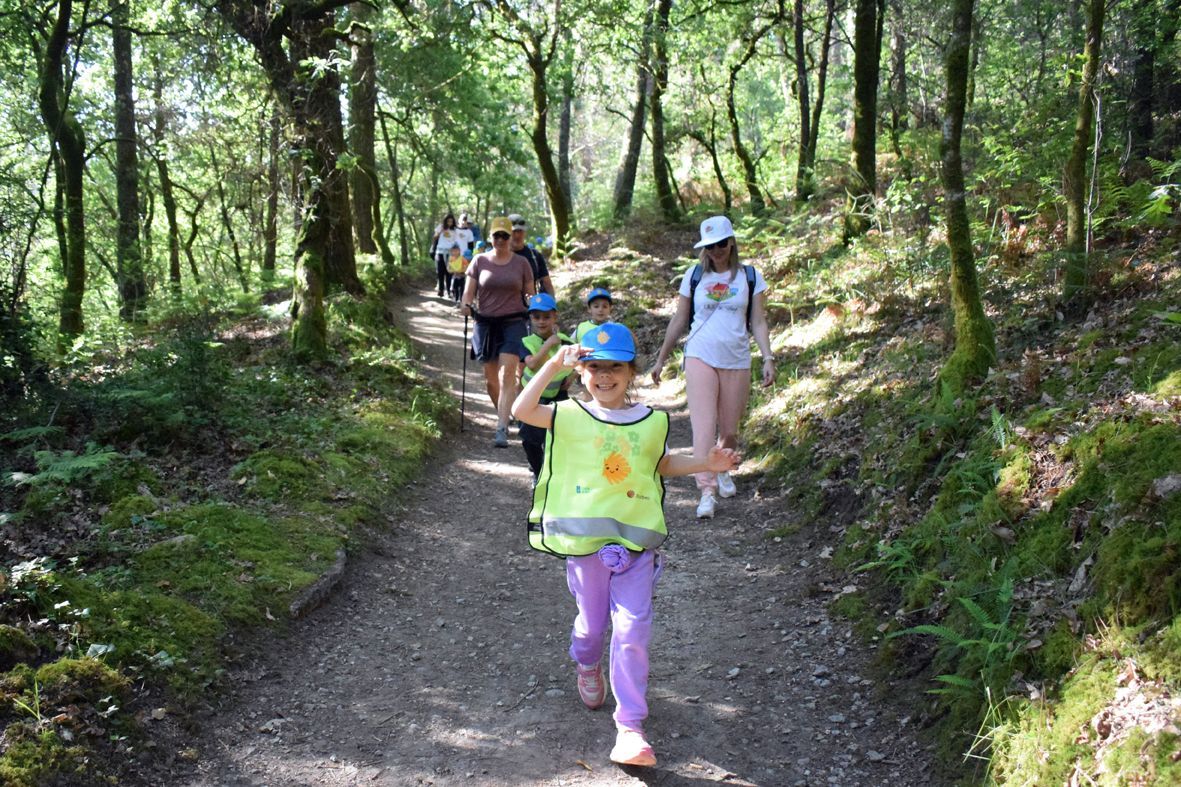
[[631, 630], [588, 580], [702, 390], [533, 441], [733, 393]]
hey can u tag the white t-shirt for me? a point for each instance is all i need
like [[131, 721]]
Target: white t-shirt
[[718, 335], [447, 239]]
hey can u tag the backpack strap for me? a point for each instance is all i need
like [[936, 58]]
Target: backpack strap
[[695, 274], [749, 270]]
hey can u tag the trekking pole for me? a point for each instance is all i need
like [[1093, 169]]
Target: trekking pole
[[463, 383]]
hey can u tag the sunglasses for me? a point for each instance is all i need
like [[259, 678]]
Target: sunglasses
[[500, 236], [719, 245]]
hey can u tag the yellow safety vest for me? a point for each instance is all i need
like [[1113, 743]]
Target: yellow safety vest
[[599, 484], [533, 343], [581, 330]]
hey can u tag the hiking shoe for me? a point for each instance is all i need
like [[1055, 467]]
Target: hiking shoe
[[501, 439], [707, 506], [632, 749], [591, 686], [726, 486]]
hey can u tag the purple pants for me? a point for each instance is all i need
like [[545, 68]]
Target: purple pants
[[624, 601]]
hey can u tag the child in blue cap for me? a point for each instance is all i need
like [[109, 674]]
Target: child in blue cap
[[536, 348], [598, 309], [598, 502]]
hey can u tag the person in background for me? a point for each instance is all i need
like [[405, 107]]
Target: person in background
[[457, 264], [598, 310], [466, 223], [446, 236], [538, 347], [535, 257], [723, 303], [599, 502], [501, 283]]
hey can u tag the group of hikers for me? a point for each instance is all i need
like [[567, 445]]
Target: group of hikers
[[598, 456]]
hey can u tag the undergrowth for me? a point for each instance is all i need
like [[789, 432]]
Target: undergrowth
[[162, 502]]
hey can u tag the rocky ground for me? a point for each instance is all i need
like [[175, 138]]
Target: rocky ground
[[442, 658]]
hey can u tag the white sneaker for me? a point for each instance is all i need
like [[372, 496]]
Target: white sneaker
[[705, 509], [726, 486]]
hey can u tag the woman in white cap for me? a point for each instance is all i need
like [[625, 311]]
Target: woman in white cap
[[723, 304]]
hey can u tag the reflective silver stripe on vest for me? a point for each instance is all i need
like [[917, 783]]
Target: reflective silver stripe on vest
[[603, 527]]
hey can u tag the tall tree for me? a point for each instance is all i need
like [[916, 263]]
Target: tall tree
[[539, 41], [625, 179], [665, 196], [362, 124], [1074, 176], [809, 115], [758, 204], [68, 148], [270, 230], [129, 267], [975, 348], [867, 52], [293, 41]]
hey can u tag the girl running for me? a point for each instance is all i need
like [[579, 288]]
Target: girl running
[[599, 503]]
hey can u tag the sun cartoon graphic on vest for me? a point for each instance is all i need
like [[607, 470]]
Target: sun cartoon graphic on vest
[[718, 292], [616, 468]]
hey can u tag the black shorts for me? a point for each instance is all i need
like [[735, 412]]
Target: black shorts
[[495, 336]]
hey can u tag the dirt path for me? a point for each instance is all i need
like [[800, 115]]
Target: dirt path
[[443, 658]]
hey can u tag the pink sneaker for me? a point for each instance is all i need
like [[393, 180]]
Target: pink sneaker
[[591, 686], [632, 749]]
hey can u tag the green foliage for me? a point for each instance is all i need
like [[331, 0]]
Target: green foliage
[[66, 467]]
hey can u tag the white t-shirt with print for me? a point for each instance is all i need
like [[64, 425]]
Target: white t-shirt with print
[[447, 239], [718, 335]]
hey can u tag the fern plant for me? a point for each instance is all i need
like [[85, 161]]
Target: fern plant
[[65, 467]]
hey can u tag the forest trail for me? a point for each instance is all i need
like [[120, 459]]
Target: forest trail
[[442, 659]]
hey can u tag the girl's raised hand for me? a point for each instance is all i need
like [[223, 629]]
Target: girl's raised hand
[[568, 355], [722, 460]]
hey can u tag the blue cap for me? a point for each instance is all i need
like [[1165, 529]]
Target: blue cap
[[467, 254], [598, 292], [543, 302], [609, 342]]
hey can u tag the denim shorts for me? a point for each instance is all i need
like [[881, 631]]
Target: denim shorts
[[495, 336]]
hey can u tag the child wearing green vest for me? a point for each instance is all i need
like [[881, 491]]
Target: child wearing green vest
[[598, 308], [598, 502], [536, 348]]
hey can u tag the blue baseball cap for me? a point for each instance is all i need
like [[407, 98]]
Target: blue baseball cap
[[609, 342], [598, 292], [467, 254], [543, 302]]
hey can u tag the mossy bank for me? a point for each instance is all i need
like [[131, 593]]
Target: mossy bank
[[178, 503]]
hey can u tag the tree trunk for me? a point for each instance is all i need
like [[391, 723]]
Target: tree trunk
[[975, 348], [68, 140], [391, 153], [710, 143], [758, 204], [625, 180], [129, 265], [805, 186], [362, 106], [559, 208], [1140, 102], [325, 238], [899, 100], [227, 221], [664, 193], [1074, 177], [866, 57], [564, 122], [821, 82], [270, 232]]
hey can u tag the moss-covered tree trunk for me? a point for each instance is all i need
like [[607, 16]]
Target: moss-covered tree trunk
[[1074, 176], [539, 58], [362, 123], [867, 50], [270, 231], [69, 143], [660, 174], [625, 179], [129, 262], [975, 348]]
